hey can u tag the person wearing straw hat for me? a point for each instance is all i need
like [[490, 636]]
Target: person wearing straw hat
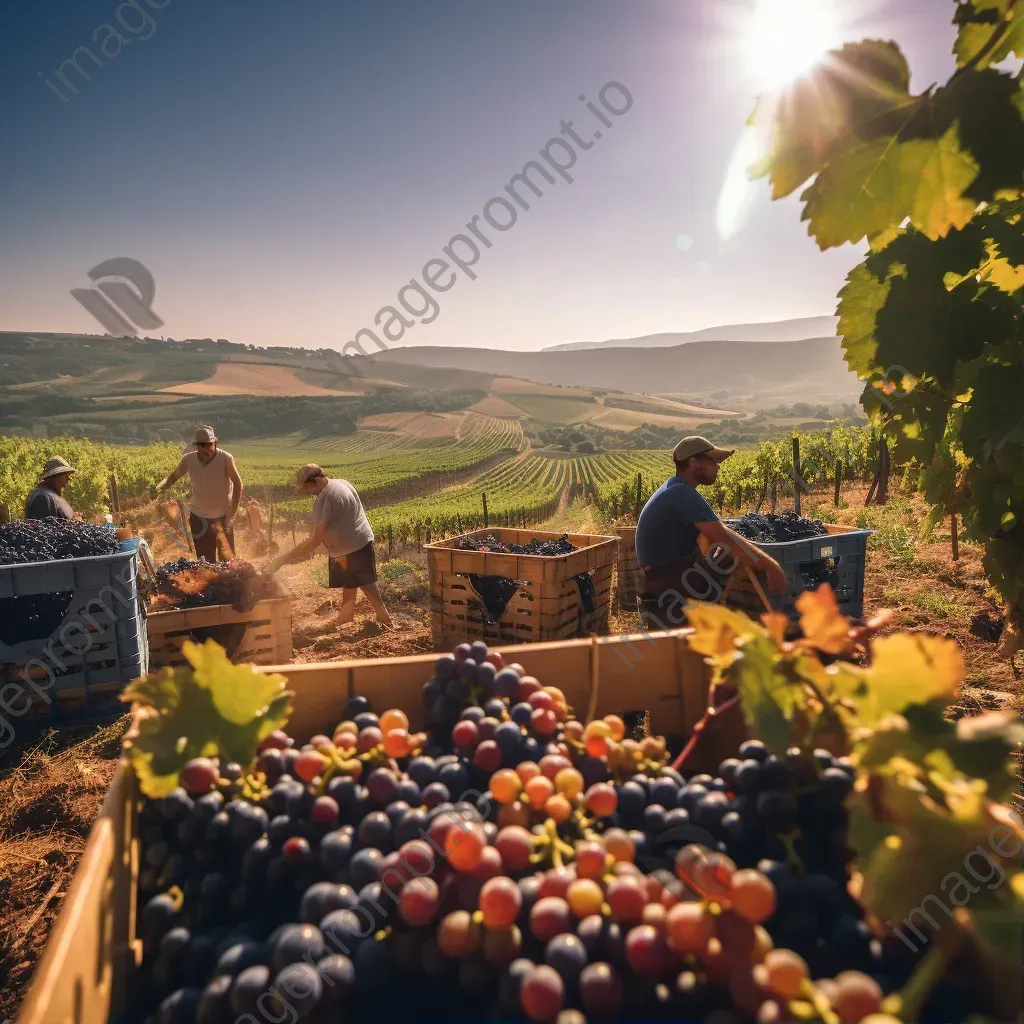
[[47, 501], [216, 492], [340, 524], [667, 533]]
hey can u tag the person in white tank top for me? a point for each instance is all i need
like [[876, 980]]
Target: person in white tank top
[[216, 492]]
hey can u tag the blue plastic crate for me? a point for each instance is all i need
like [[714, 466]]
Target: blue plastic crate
[[88, 640], [840, 557]]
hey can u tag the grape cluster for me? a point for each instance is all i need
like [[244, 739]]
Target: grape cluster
[[773, 528], [44, 540], [513, 863], [562, 546], [187, 583]]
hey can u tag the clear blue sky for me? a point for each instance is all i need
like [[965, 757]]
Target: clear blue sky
[[284, 168]]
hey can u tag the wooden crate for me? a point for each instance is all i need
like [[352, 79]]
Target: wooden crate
[[260, 636], [627, 571], [84, 972], [546, 605]]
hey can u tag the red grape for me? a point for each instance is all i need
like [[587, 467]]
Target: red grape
[[496, 659], [296, 850], [515, 845], [626, 899], [465, 734], [369, 738], [646, 951], [500, 902], [487, 756], [418, 901], [199, 776], [549, 917], [600, 990], [324, 811], [277, 738], [456, 934], [309, 764], [542, 993]]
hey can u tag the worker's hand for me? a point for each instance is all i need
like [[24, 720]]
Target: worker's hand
[[777, 582]]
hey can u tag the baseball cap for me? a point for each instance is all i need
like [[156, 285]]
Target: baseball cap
[[690, 446], [310, 471], [205, 435], [55, 467]]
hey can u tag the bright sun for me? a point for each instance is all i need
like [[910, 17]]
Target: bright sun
[[783, 38]]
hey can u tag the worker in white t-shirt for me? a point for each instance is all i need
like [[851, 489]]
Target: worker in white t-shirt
[[216, 492], [340, 524]]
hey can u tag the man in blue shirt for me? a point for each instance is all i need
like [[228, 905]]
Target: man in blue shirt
[[673, 570]]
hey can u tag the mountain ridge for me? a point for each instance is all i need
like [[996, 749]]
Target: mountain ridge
[[797, 329]]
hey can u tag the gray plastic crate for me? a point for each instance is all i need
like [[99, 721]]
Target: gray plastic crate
[[89, 639], [841, 557]]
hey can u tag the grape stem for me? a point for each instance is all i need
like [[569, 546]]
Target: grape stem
[[711, 714], [926, 974], [818, 1000]]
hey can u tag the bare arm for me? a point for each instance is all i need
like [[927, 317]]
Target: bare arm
[[236, 487], [300, 551], [744, 551], [172, 478]]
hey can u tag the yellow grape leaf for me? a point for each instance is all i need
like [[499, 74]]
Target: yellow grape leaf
[[718, 628], [776, 624], [217, 709], [860, 301], [821, 621], [238, 691], [872, 188], [906, 668]]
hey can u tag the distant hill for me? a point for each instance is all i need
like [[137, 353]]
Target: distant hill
[[780, 330], [809, 370]]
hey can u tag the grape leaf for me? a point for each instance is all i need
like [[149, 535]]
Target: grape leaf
[[743, 653], [821, 621], [861, 298], [995, 141], [217, 709], [979, 21], [906, 668], [872, 187], [845, 99]]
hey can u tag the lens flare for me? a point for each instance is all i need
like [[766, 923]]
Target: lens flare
[[784, 38]]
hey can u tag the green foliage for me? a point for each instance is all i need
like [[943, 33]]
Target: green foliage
[[933, 319], [929, 792], [215, 710]]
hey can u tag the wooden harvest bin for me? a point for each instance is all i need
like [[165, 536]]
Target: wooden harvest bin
[[260, 636], [546, 606], [85, 970], [627, 571]]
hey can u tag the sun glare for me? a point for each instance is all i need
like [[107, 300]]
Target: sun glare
[[784, 38]]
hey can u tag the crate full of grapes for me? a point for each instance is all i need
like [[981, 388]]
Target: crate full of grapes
[[247, 613], [507, 586], [811, 553], [471, 838], [72, 626]]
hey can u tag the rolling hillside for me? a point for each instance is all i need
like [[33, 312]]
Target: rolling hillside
[[811, 369], [780, 330]]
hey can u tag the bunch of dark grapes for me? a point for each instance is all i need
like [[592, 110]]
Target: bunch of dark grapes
[[527, 867], [562, 546], [44, 540], [187, 583], [772, 528]]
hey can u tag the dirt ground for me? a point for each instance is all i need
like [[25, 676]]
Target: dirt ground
[[55, 783]]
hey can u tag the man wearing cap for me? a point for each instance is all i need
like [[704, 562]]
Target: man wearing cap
[[216, 492], [340, 524], [667, 534], [46, 500]]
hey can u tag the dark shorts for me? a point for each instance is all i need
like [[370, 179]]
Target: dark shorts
[[204, 535], [359, 569]]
